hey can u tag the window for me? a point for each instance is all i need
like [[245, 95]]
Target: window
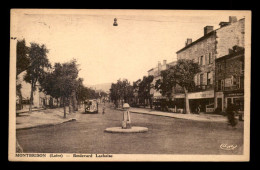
[[219, 85], [238, 83], [242, 67], [201, 79], [198, 79], [210, 58], [241, 82], [201, 60], [233, 80], [222, 84], [219, 67], [208, 78]]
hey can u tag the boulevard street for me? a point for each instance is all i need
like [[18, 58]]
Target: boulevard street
[[165, 136]]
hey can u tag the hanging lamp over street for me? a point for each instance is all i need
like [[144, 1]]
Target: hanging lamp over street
[[115, 23]]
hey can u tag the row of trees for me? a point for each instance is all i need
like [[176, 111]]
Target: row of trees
[[60, 81], [182, 75], [123, 91]]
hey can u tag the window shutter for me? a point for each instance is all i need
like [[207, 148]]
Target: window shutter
[[210, 58], [211, 77], [195, 79], [205, 79], [206, 60]]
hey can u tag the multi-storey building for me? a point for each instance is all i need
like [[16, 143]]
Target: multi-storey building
[[156, 73], [230, 79], [214, 44]]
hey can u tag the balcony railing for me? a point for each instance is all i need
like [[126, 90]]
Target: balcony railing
[[203, 87], [197, 88], [230, 88]]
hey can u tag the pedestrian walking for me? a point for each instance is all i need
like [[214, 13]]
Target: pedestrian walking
[[198, 109], [231, 111], [103, 112]]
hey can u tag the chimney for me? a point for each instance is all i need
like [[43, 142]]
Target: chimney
[[159, 65], [164, 62], [208, 29], [232, 19], [189, 41]]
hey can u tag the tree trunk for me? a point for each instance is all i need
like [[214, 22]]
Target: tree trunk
[[70, 105], [187, 105], [75, 103], [31, 99], [150, 102], [64, 106]]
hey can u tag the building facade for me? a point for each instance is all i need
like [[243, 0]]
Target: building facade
[[156, 73], [230, 79], [39, 98], [213, 44]]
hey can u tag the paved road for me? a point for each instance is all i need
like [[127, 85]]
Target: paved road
[[165, 136]]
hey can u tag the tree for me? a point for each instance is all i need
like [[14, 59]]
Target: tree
[[23, 60], [114, 94], [136, 89], [120, 91], [22, 63], [66, 81], [37, 67], [144, 87], [182, 74], [49, 85]]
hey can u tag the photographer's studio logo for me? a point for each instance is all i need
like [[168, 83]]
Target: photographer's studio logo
[[227, 147]]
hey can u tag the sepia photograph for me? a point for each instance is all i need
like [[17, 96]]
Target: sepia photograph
[[129, 85]]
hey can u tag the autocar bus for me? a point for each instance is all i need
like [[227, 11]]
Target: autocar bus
[[91, 106]]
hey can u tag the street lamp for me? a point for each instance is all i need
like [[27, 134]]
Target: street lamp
[[115, 23]]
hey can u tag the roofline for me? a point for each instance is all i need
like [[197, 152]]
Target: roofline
[[150, 69], [205, 36], [198, 40]]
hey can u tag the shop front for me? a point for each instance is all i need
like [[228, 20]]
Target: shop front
[[203, 100], [236, 98]]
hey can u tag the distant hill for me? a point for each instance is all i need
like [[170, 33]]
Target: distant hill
[[104, 86]]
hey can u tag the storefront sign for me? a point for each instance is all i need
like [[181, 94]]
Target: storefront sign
[[199, 95], [219, 94], [234, 94]]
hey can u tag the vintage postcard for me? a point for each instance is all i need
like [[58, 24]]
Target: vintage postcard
[[129, 85]]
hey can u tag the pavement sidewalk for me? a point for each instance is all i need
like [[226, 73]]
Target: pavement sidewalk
[[25, 110], [41, 118], [197, 117]]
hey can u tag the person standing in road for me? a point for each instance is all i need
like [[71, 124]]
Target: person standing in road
[[231, 110]]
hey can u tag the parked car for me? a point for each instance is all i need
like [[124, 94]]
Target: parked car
[[91, 106]]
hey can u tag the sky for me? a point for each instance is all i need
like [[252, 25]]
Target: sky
[[106, 53]]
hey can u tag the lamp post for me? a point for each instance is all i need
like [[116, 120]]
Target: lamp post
[[115, 23], [126, 123]]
